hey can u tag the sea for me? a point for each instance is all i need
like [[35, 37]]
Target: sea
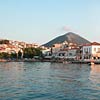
[[49, 81]]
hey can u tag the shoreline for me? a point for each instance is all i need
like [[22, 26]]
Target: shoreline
[[52, 61]]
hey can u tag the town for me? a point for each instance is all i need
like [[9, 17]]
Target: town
[[13, 50], [71, 52]]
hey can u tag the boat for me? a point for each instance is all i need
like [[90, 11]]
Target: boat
[[66, 62], [91, 63]]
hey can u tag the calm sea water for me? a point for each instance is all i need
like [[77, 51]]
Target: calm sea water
[[49, 81]]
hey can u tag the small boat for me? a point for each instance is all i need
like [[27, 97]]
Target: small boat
[[91, 63], [66, 62]]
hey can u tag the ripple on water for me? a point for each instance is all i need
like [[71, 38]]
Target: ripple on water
[[49, 81]]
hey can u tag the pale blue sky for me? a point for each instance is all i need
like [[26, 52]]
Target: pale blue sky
[[42, 20]]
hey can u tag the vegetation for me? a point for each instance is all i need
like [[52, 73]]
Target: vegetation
[[4, 55], [27, 53], [31, 52], [19, 55], [13, 55], [4, 41]]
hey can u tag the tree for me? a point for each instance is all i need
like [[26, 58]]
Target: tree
[[31, 52], [4, 42], [4, 55], [38, 51], [13, 55], [1, 55], [19, 54]]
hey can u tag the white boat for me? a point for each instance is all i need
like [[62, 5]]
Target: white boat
[[66, 62], [91, 63]]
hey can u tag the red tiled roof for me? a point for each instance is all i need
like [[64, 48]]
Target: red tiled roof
[[95, 43], [66, 49], [90, 44], [11, 46]]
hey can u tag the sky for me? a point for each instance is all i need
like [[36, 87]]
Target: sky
[[39, 21]]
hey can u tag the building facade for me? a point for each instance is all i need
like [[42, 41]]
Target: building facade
[[91, 51]]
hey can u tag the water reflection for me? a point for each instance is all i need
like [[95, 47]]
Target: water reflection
[[95, 74], [95, 68]]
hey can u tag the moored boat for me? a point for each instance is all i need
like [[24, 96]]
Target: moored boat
[[91, 63]]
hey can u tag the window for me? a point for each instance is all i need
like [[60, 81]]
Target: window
[[70, 54], [98, 49], [84, 50], [94, 57], [63, 54], [94, 49], [98, 57], [59, 54], [89, 50]]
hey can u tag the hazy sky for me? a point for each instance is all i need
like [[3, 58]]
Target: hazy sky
[[42, 20]]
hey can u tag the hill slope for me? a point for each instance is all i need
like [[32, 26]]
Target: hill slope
[[69, 37]]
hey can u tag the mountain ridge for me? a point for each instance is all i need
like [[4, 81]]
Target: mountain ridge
[[70, 37]]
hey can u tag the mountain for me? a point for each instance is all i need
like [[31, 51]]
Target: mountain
[[70, 37]]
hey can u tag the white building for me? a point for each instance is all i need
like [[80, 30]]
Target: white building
[[56, 48], [61, 54], [46, 52], [72, 53], [67, 53], [91, 51]]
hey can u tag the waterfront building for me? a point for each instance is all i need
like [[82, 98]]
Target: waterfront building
[[73, 53], [91, 51], [68, 53], [62, 54], [46, 52]]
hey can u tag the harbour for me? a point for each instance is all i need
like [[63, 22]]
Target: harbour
[[49, 50], [49, 81]]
